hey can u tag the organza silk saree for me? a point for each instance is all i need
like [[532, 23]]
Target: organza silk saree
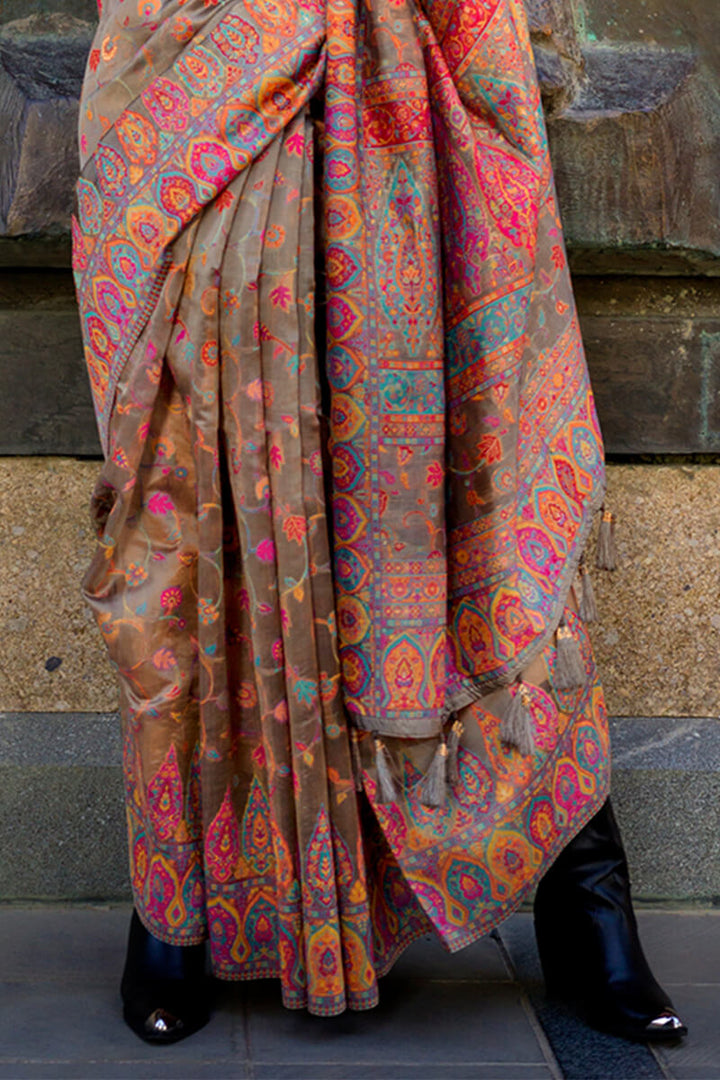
[[288, 209]]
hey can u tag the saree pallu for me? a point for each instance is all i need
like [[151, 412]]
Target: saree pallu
[[464, 465]]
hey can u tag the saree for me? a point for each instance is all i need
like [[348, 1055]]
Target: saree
[[290, 211]]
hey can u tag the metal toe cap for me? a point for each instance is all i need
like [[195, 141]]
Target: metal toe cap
[[667, 1024], [161, 1022]]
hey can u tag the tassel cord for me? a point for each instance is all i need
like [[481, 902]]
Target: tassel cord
[[606, 555], [587, 606], [453, 745], [433, 788], [387, 791], [516, 728], [569, 667]]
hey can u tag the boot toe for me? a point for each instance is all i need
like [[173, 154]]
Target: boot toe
[[163, 1026], [666, 1026]]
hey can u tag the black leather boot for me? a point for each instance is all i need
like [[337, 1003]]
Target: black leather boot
[[164, 988], [588, 939]]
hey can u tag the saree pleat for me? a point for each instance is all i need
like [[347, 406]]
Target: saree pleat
[[223, 592]]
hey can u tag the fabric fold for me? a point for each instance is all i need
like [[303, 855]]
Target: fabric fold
[[249, 625]]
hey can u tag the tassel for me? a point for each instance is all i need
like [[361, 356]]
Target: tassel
[[516, 728], [569, 667], [606, 555], [587, 607], [453, 746], [387, 792], [433, 789], [356, 759]]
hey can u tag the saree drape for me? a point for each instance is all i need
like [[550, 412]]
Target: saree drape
[[464, 466]]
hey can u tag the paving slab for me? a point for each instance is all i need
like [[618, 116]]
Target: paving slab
[[698, 1057], [428, 959], [51, 1021], [480, 1014], [684, 947], [102, 1069], [394, 1071], [418, 1023], [441, 1017], [582, 1054], [68, 944]]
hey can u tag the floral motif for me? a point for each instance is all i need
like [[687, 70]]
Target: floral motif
[[195, 257]]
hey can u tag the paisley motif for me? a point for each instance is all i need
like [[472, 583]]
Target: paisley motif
[[168, 104], [202, 73], [138, 138], [165, 798], [237, 39], [90, 207], [248, 631], [406, 253], [112, 172], [223, 849]]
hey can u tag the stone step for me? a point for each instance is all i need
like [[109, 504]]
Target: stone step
[[62, 834]]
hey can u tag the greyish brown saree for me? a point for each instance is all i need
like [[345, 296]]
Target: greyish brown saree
[[464, 465]]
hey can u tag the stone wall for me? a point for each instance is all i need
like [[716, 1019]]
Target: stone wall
[[632, 90]]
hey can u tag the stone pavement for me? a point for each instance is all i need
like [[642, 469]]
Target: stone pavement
[[480, 1014]]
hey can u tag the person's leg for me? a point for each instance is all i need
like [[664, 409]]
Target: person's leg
[[141, 587], [588, 938], [164, 989]]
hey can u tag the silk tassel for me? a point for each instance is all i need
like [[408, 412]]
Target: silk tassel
[[569, 668], [516, 728], [387, 792], [606, 554], [453, 746], [587, 607], [356, 760], [433, 789]]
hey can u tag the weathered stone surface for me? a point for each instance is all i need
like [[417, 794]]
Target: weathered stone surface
[[46, 544], [666, 791], [45, 404], [637, 159], [632, 91], [558, 55], [45, 54], [637, 153], [657, 641], [20, 9], [653, 347], [68, 823], [62, 806], [42, 58]]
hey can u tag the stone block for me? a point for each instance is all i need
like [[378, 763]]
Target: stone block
[[62, 819], [10, 10], [657, 641], [42, 60], [46, 543], [62, 833], [653, 346], [558, 54], [631, 91], [45, 402], [61, 807], [666, 791], [637, 158]]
